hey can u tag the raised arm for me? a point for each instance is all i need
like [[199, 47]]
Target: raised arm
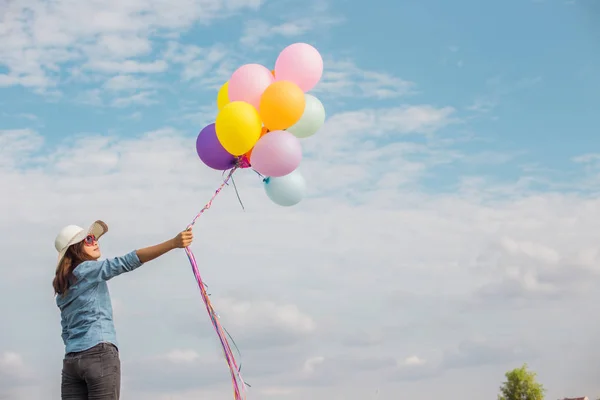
[[112, 267], [182, 240]]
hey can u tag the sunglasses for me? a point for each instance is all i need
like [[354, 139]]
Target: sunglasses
[[89, 240]]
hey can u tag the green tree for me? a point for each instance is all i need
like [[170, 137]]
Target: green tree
[[521, 384]]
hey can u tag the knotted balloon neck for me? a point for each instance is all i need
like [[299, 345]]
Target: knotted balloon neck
[[242, 162]]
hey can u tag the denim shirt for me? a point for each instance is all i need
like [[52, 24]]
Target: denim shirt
[[86, 309]]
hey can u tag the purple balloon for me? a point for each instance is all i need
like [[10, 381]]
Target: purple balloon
[[210, 150]]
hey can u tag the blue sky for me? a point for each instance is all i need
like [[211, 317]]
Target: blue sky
[[452, 186]]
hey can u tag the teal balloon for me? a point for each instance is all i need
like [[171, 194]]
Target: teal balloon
[[287, 190], [312, 119]]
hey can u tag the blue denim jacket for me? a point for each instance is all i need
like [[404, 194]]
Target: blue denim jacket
[[86, 310]]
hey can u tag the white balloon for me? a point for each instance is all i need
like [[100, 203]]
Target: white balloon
[[312, 119]]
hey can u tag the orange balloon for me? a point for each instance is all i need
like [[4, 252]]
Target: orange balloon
[[273, 72], [263, 133], [281, 105]]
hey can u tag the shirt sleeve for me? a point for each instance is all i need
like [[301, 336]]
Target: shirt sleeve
[[109, 268]]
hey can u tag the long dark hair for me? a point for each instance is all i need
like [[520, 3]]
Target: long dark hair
[[64, 277]]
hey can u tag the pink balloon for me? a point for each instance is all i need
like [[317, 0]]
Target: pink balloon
[[248, 83], [300, 63], [276, 154]]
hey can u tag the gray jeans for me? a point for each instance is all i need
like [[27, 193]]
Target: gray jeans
[[93, 374]]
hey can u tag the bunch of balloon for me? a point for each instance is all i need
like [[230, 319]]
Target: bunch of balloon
[[262, 116]]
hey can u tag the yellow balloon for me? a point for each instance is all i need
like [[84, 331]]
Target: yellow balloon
[[281, 105], [238, 127], [223, 96]]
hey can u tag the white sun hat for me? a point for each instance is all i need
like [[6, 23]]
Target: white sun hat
[[72, 234]]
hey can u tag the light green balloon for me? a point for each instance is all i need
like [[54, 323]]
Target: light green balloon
[[287, 190], [312, 119]]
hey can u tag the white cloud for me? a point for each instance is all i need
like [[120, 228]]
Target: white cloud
[[258, 33], [11, 362], [498, 88], [127, 67], [182, 356], [267, 315], [343, 78], [38, 38], [126, 82], [136, 116], [385, 158], [483, 105], [534, 251], [404, 119], [414, 360], [289, 23], [587, 158], [276, 391], [119, 46], [14, 144], [142, 98], [14, 373], [312, 363], [125, 96], [28, 116], [479, 352], [196, 62]]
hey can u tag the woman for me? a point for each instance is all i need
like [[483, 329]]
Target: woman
[[91, 367]]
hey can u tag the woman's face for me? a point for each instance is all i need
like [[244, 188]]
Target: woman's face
[[91, 248]]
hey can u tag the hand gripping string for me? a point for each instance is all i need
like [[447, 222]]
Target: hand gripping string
[[239, 389]]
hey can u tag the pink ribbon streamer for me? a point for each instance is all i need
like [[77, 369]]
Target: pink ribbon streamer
[[239, 386]]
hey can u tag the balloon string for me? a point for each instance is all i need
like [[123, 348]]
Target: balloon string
[[209, 204], [237, 193], [239, 386], [259, 174]]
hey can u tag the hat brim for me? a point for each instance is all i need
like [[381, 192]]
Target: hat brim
[[98, 229]]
